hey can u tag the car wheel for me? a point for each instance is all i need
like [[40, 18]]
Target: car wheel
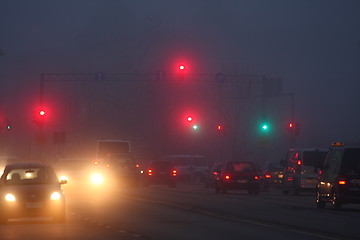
[[217, 189], [320, 203], [336, 201]]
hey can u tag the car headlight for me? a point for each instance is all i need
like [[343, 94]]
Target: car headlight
[[10, 198], [55, 196], [63, 177], [96, 178]]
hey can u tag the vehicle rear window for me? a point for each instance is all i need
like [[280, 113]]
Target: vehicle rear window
[[314, 158], [240, 167], [351, 161], [162, 165], [73, 165]]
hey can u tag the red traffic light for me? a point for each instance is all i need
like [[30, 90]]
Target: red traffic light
[[181, 71], [39, 116]]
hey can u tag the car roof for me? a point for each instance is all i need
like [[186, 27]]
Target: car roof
[[309, 149], [26, 165]]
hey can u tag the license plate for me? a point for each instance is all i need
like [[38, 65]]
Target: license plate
[[34, 205], [242, 181], [281, 176]]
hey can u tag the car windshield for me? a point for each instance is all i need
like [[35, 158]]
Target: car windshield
[[27, 176], [121, 162], [351, 161], [314, 158], [240, 167]]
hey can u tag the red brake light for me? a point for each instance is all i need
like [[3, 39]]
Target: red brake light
[[267, 176], [299, 162], [256, 177], [227, 177], [342, 182]]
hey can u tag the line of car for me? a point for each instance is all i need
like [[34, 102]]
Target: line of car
[[32, 189], [331, 174]]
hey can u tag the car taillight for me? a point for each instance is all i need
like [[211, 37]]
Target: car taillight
[[267, 175], [150, 172], [256, 177], [174, 173], [289, 179], [299, 162], [227, 177], [342, 182]]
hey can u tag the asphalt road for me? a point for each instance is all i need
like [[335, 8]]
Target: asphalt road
[[188, 212]]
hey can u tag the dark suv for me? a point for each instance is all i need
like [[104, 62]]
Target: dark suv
[[339, 179], [160, 172], [239, 175]]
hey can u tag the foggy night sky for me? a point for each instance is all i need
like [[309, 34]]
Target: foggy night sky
[[314, 45]]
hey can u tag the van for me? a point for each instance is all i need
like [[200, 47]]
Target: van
[[339, 178], [110, 148], [189, 167], [301, 166]]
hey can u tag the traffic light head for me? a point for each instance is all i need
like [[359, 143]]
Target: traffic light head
[[8, 125], [181, 71], [39, 116]]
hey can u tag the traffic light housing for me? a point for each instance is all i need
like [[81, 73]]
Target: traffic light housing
[[181, 71], [8, 125], [39, 116], [294, 128], [264, 127]]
